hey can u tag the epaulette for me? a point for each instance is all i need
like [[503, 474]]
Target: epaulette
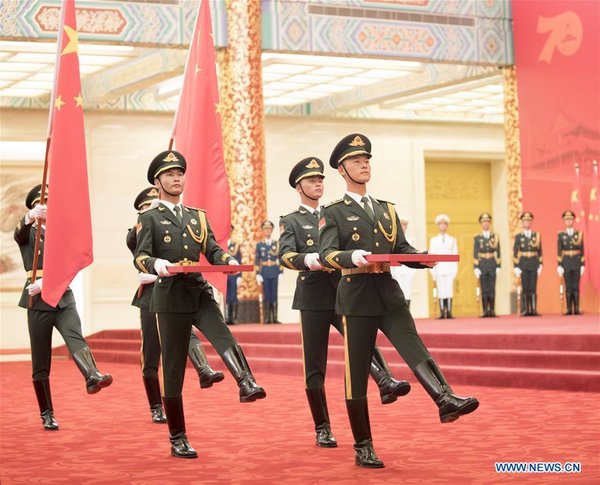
[[333, 203], [289, 213], [194, 208], [385, 201]]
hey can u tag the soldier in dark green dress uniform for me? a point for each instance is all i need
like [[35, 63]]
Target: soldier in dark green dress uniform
[[368, 298], [315, 298], [169, 234], [233, 281], [268, 271], [486, 263], [571, 261], [150, 341], [43, 318], [527, 258]]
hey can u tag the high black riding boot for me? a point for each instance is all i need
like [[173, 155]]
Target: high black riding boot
[[318, 408], [450, 405], [235, 312], [94, 381], [274, 314], [229, 313], [358, 413], [449, 308], [576, 310], [180, 447], [527, 306], [267, 312], [207, 375], [237, 364], [152, 386], [44, 399], [569, 307], [492, 304], [523, 305], [389, 388], [484, 306], [442, 309], [534, 312]]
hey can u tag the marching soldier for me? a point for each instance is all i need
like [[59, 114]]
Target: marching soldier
[[403, 274], [486, 263], [233, 280], [150, 342], [43, 318], [571, 261], [527, 257], [173, 233], [268, 271], [368, 298], [315, 298], [444, 273]]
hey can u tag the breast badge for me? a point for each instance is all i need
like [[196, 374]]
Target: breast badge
[[309, 242], [193, 222], [355, 236], [167, 239], [352, 218]]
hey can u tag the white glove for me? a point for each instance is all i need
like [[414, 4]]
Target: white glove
[[38, 212], [581, 271], [35, 288], [146, 278], [477, 273], [560, 270], [160, 266], [259, 279], [311, 261], [233, 262], [518, 272], [539, 271], [358, 257], [497, 270], [238, 280]]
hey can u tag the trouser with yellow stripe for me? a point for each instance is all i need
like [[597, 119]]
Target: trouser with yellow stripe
[[359, 342]]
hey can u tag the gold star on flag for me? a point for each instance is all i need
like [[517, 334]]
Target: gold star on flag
[[58, 102], [72, 46], [78, 100], [593, 194], [197, 69], [574, 196]]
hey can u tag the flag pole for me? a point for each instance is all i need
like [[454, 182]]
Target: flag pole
[[38, 234]]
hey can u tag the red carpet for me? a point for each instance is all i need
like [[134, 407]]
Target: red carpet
[[108, 438], [549, 352]]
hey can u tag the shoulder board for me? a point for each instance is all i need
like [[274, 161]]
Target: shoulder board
[[385, 201], [194, 208], [333, 203], [290, 213]]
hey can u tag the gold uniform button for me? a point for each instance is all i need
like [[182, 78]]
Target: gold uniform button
[[375, 231], [185, 234], [159, 280], [185, 246], [377, 244], [302, 278], [348, 279]]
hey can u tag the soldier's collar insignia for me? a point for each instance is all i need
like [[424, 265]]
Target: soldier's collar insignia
[[302, 211], [161, 207], [347, 202], [193, 221], [170, 158], [313, 164], [152, 193], [357, 142], [352, 218]]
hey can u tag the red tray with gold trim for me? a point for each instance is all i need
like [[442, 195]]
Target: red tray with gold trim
[[398, 259], [209, 268]]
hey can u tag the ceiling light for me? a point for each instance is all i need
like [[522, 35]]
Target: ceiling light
[[305, 94], [355, 81], [272, 76], [286, 68], [285, 86], [336, 71], [11, 46], [330, 88], [284, 101], [22, 150], [490, 88], [10, 76], [93, 60], [23, 93], [170, 86], [384, 74], [20, 67], [90, 69], [310, 79], [269, 93], [46, 86], [42, 76], [33, 57]]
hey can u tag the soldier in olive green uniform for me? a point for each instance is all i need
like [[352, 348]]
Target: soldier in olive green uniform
[[527, 258], [168, 234], [150, 341], [42, 318], [571, 261], [486, 263], [315, 298], [369, 298]]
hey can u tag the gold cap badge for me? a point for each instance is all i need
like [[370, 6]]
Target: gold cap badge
[[312, 164], [357, 142], [170, 158], [152, 193]]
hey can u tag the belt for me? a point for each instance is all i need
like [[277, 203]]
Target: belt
[[38, 273], [529, 254], [486, 255], [186, 262], [372, 268], [269, 263], [572, 252]]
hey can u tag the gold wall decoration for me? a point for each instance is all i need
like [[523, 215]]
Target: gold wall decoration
[[513, 151], [242, 109]]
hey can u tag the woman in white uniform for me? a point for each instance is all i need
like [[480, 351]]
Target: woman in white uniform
[[444, 273], [403, 274]]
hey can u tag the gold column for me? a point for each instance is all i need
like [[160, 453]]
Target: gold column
[[513, 151], [240, 77]]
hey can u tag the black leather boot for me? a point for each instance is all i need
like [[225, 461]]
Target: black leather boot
[[235, 313], [152, 386], [274, 318], [524, 305], [534, 312], [318, 408], [267, 312], [569, 307], [180, 447], [207, 375], [492, 303], [449, 308], [450, 405], [229, 314], [94, 381], [576, 310], [484, 306], [442, 309], [358, 414], [44, 399], [237, 364], [389, 388]]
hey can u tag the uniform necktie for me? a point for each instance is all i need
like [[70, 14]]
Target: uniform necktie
[[367, 207], [178, 213]]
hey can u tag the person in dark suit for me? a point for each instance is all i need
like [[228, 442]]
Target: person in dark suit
[[571, 261], [173, 234], [316, 288], [527, 258], [233, 281], [268, 271], [368, 298], [150, 351], [486, 263], [43, 318]]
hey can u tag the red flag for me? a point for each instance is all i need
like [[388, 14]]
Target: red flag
[[197, 134], [591, 245], [68, 240]]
